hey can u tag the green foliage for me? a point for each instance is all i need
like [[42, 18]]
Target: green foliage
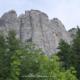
[[15, 66], [8, 45], [51, 67], [65, 53], [30, 62], [76, 52], [3, 62], [70, 54], [26, 62], [13, 44], [36, 66]]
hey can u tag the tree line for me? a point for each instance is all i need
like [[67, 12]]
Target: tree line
[[23, 61]]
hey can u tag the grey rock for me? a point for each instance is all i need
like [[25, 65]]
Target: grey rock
[[36, 27], [72, 32], [10, 22]]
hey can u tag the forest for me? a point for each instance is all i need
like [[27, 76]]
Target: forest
[[23, 61]]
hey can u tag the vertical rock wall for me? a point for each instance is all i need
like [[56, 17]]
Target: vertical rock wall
[[35, 26]]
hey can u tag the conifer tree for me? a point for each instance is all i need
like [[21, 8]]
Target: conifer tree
[[3, 62], [76, 52], [65, 53]]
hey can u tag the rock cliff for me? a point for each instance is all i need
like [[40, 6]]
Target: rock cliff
[[36, 27], [72, 32]]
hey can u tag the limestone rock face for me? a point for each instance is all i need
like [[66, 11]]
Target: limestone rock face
[[9, 21], [36, 27], [72, 32], [59, 32]]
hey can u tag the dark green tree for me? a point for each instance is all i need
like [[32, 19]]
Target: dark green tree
[[70, 54], [3, 62], [65, 53], [76, 52]]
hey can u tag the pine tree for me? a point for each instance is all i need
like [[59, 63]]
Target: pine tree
[[3, 62], [76, 52], [65, 53]]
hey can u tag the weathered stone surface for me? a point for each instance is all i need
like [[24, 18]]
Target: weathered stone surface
[[72, 32], [10, 22], [35, 26], [59, 33]]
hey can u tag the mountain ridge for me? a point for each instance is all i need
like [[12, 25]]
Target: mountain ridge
[[35, 26]]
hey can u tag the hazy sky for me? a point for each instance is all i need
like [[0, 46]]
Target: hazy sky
[[68, 11]]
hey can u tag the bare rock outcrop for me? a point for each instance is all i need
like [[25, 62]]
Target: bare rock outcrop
[[9, 21], [72, 32], [36, 27]]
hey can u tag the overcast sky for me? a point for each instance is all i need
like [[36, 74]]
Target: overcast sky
[[68, 11]]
